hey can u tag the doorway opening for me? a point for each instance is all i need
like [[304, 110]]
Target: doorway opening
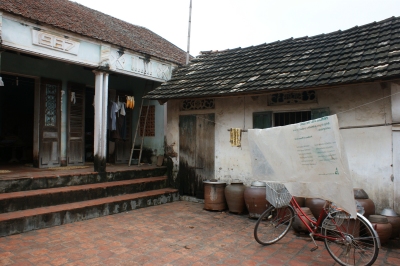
[[16, 120], [89, 124]]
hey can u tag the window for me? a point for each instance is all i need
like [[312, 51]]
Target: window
[[270, 119], [262, 120], [288, 118]]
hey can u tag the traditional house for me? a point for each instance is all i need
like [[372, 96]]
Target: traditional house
[[354, 74], [63, 65]]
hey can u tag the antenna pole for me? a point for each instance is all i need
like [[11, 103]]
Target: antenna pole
[[188, 43]]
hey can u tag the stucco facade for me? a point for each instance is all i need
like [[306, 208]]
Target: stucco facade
[[366, 113]]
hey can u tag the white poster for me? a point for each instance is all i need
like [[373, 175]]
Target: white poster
[[307, 157]]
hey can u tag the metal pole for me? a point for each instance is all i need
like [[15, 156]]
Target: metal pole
[[190, 21]]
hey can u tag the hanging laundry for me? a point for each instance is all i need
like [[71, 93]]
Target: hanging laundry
[[235, 137], [122, 108], [130, 102], [113, 115], [73, 97]]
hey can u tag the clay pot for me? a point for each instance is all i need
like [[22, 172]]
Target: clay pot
[[298, 225], [381, 226], [255, 199], [300, 200], [368, 205], [359, 193], [214, 195], [234, 195], [394, 220], [315, 205]]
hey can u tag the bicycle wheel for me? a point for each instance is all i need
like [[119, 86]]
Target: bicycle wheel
[[273, 224], [354, 242]]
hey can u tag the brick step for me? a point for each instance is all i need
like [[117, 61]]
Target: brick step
[[42, 179], [23, 200], [32, 219]]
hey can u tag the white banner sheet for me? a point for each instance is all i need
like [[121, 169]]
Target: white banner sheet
[[308, 157]]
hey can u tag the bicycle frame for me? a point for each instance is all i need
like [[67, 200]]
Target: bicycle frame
[[348, 241], [315, 224]]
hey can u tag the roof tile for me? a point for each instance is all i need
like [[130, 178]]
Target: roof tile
[[73, 17], [366, 53]]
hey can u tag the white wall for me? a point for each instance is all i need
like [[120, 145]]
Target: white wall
[[369, 149]]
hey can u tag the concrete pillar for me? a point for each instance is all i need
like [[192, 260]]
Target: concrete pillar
[[99, 135], [104, 115]]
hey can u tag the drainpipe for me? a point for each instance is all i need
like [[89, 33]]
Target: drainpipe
[[190, 21]]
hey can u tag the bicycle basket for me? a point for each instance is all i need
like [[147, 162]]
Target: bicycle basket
[[335, 219], [277, 194]]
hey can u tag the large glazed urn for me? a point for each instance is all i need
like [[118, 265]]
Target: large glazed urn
[[381, 226], [255, 199], [364, 201], [214, 195], [315, 205], [297, 225], [394, 220], [234, 195]]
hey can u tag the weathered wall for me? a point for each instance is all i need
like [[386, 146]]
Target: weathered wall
[[362, 118]]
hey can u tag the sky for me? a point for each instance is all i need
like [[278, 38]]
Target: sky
[[229, 24]]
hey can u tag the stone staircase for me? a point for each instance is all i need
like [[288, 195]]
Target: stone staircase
[[45, 202]]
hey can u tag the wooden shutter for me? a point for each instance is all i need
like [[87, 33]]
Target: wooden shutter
[[50, 124], [262, 120], [76, 124]]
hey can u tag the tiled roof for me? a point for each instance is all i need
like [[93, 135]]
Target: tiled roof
[[360, 54], [82, 20]]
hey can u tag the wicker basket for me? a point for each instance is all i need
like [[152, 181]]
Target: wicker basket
[[277, 194]]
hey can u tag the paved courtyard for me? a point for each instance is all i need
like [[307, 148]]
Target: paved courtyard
[[179, 233]]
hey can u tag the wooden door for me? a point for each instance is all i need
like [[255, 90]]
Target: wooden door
[[76, 124], [50, 124], [196, 153]]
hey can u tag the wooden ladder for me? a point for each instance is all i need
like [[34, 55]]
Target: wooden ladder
[[143, 133]]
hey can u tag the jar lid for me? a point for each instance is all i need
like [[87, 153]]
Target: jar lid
[[389, 212], [213, 182], [236, 181], [378, 219], [258, 184]]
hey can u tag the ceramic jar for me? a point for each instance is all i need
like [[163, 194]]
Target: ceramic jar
[[234, 195], [394, 220], [300, 200], [360, 193], [255, 199], [364, 201], [368, 205], [298, 225], [214, 195], [315, 205], [381, 226]]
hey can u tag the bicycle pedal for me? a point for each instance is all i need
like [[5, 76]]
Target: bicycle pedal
[[315, 243]]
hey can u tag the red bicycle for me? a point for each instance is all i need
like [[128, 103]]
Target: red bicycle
[[348, 241]]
